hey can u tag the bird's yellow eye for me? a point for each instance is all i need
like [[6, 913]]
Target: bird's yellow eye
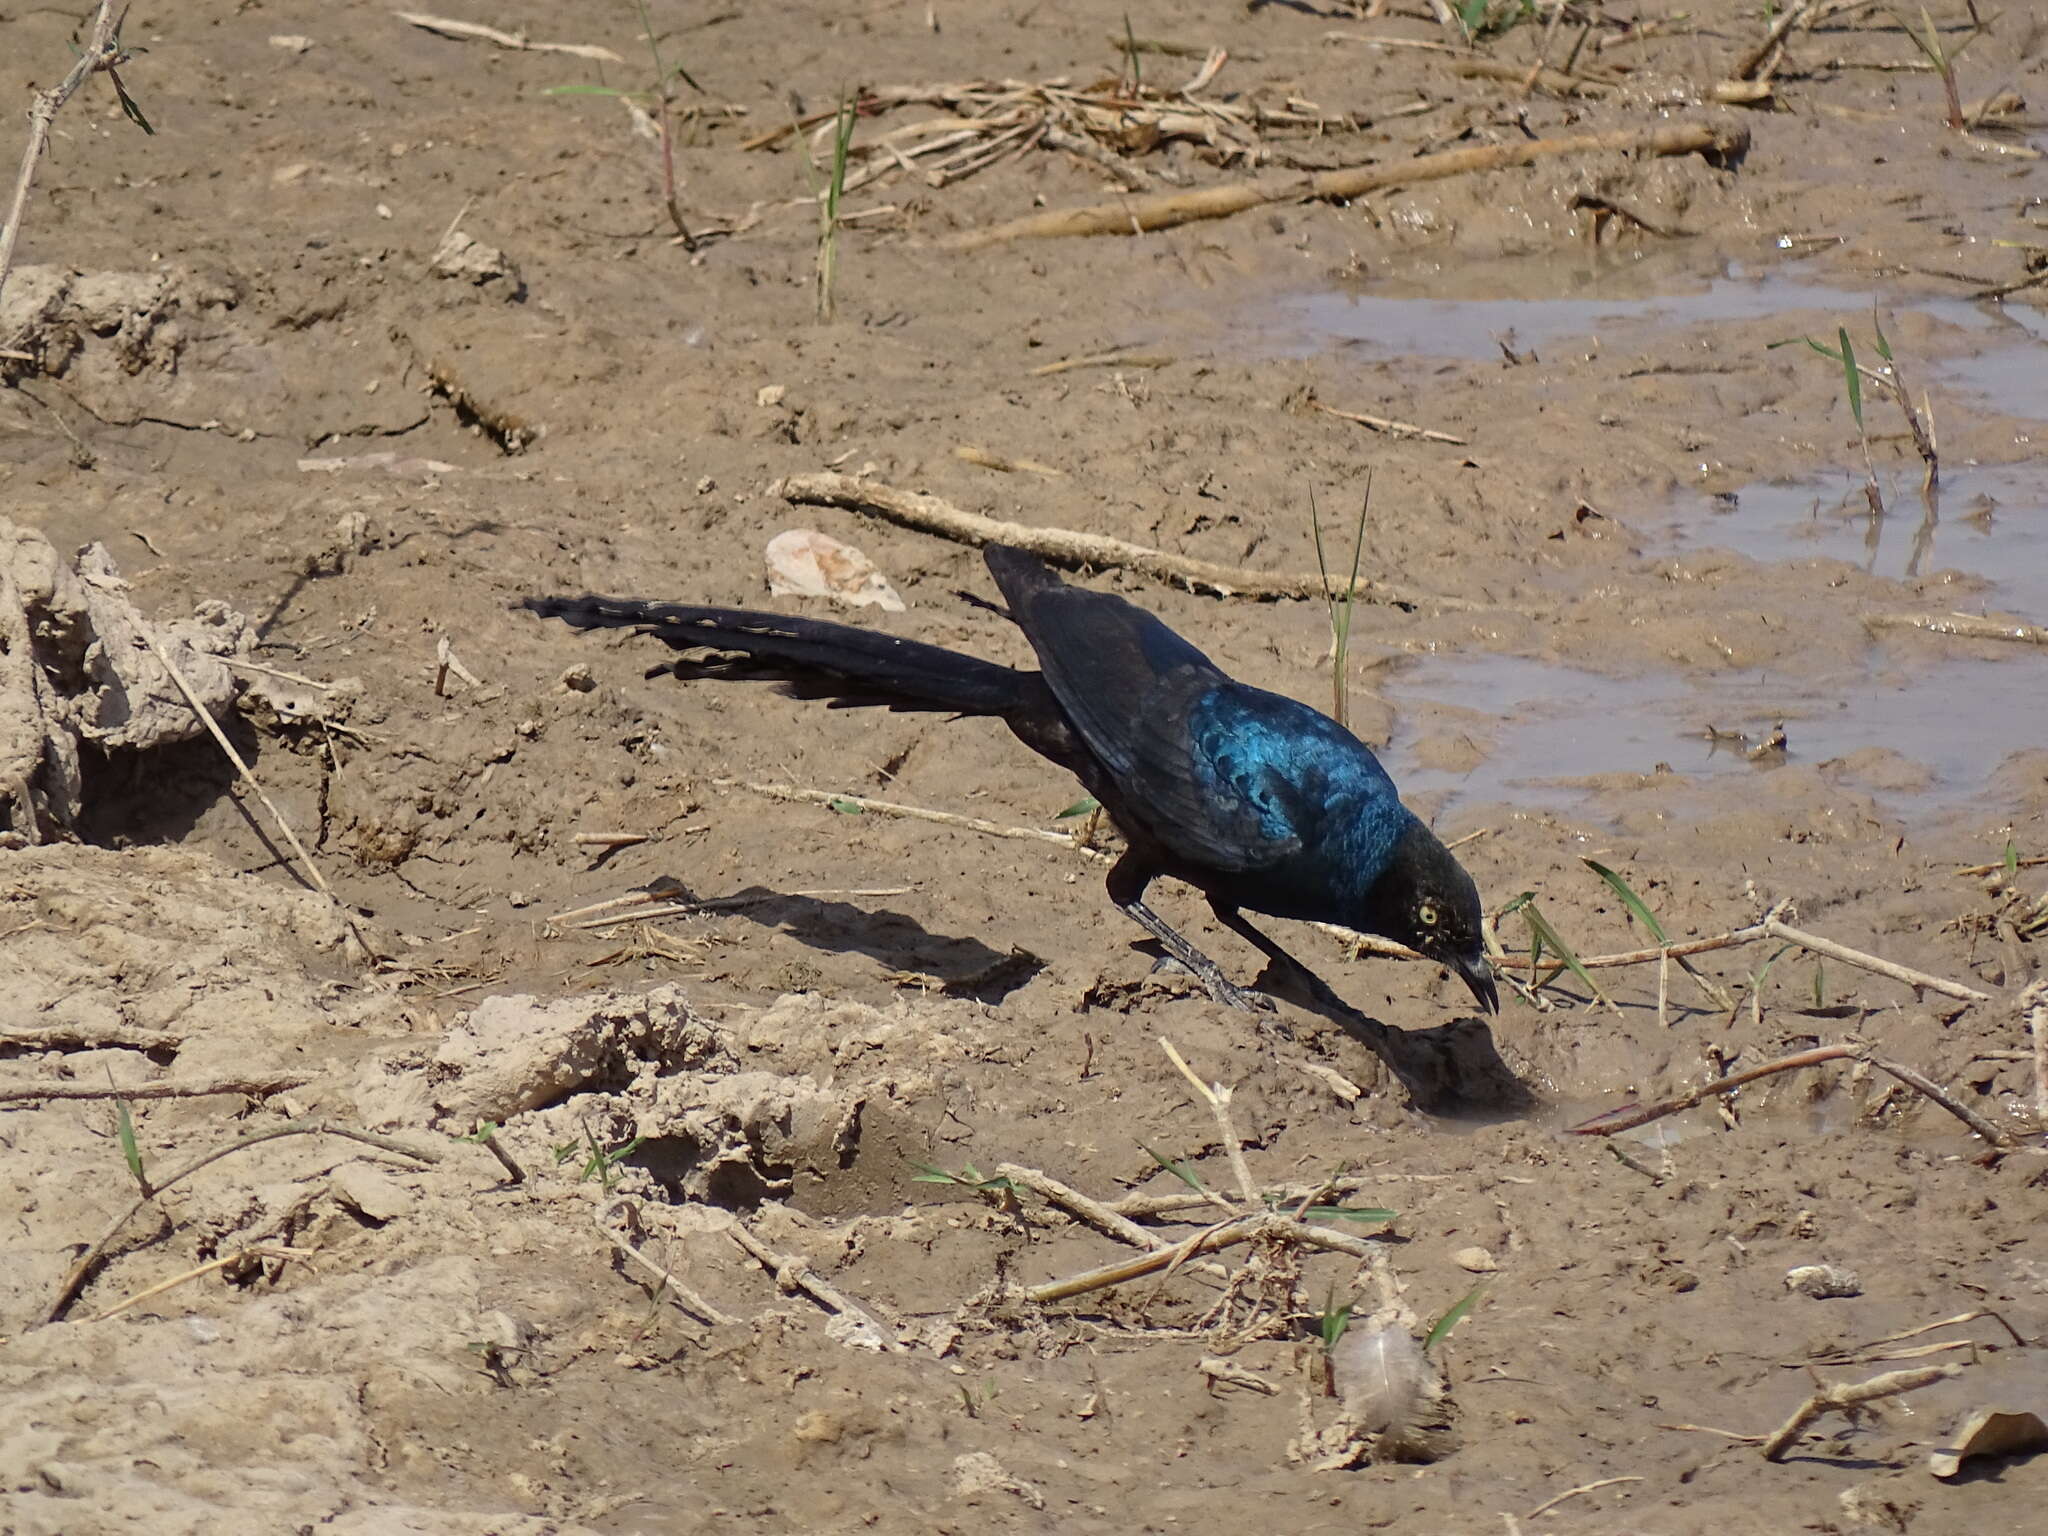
[[1426, 914]]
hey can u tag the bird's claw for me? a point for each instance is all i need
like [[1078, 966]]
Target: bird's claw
[[1233, 996]]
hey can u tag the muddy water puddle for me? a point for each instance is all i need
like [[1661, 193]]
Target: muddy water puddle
[[1418, 317], [1541, 729], [1473, 312], [1534, 731], [1987, 522]]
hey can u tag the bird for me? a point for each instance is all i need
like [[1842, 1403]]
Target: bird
[[1257, 800]]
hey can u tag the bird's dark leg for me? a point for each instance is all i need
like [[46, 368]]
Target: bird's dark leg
[[1127, 882], [1240, 925]]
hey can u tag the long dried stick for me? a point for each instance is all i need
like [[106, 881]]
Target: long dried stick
[[253, 1251], [101, 51], [1720, 141], [1062, 546], [93, 1257], [1776, 929], [790, 792], [248, 777], [1771, 926], [1627, 1119], [1766, 51], [251, 1087], [1105, 1219], [2033, 1005], [1836, 1399], [1968, 626]]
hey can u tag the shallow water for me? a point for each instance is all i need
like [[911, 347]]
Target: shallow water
[[1435, 315], [1541, 722], [1987, 522]]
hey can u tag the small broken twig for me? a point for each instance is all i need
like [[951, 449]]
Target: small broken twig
[[90, 1261], [793, 1275], [1387, 425], [1852, 1395], [1218, 1098], [618, 1235]]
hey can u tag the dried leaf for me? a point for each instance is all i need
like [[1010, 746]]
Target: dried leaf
[[808, 563]]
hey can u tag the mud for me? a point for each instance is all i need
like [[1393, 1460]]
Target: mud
[[375, 336]]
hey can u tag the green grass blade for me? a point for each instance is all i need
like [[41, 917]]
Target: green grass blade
[[1539, 927], [128, 106], [1852, 376], [846, 807], [1180, 1171], [1631, 900], [1884, 348], [131, 1154], [1452, 1318], [1080, 807], [1351, 1213], [2012, 863]]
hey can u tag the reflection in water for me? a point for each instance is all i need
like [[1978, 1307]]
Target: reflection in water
[[1991, 523]]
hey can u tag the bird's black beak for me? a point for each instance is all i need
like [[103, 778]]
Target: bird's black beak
[[1477, 972]]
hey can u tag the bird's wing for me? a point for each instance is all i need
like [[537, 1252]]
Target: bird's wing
[[1130, 687]]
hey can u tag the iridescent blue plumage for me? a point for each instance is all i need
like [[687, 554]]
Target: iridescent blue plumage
[[1310, 783]]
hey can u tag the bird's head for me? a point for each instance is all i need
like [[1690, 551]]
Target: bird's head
[[1427, 901]]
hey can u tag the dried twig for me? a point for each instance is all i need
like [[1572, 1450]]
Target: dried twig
[[1852, 1395], [463, 30], [1260, 1226], [1061, 546], [248, 777], [253, 1251], [1556, 81], [1104, 1218], [1218, 1098], [89, 1036], [1763, 58], [250, 1087], [101, 51], [620, 1236], [1720, 141], [2033, 1007], [910, 812], [793, 1275], [1968, 626], [1118, 359], [970, 454], [1774, 928], [90, 1261], [1626, 1119], [1572, 1493], [1386, 424]]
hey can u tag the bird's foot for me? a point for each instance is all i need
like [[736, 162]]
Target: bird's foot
[[1231, 995], [1216, 984]]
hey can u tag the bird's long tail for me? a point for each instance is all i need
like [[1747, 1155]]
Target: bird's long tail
[[811, 658]]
